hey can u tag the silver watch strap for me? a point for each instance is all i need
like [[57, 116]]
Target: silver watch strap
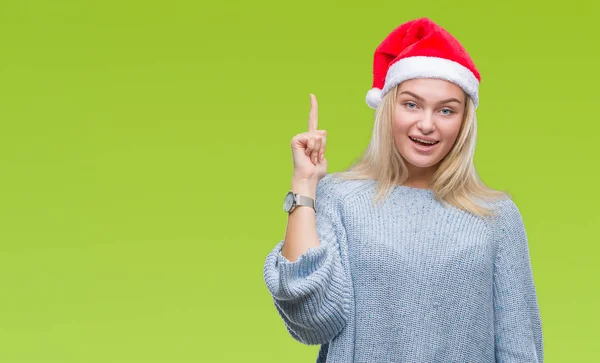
[[306, 201]]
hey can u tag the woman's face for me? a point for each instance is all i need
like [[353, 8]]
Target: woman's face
[[429, 109]]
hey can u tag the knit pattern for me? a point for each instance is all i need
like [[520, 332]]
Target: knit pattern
[[411, 280]]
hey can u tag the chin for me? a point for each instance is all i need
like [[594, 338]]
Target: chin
[[421, 164], [420, 161]]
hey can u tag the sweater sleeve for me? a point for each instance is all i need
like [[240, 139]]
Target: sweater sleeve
[[517, 321], [312, 293]]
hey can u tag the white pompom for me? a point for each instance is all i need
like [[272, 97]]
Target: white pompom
[[374, 97]]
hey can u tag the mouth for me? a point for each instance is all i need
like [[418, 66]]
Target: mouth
[[423, 144]]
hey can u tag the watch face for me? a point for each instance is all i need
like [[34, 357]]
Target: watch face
[[288, 202]]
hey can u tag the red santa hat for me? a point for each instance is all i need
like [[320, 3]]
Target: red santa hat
[[421, 49]]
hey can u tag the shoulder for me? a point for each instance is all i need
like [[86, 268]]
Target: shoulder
[[332, 184], [508, 219], [326, 185], [327, 194], [506, 208]]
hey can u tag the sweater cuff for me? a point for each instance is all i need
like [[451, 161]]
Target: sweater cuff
[[305, 264]]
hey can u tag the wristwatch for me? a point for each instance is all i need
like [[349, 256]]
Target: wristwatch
[[293, 200]]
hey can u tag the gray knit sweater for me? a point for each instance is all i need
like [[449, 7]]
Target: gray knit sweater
[[411, 280]]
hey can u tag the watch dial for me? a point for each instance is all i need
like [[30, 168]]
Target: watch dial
[[289, 200]]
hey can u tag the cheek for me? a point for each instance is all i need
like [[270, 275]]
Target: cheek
[[402, 122], [449, 134], [399, 133], [451, 131]]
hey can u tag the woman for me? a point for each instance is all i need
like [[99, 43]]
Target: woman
[[407, 257]]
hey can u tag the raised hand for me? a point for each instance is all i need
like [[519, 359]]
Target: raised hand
[[308, 148]]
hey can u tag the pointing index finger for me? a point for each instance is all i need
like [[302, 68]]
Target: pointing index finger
[[313, 116]]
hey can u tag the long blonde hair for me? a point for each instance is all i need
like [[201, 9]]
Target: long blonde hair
[[455, 182]]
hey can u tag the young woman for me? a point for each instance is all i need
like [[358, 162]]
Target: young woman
[[407, 256]]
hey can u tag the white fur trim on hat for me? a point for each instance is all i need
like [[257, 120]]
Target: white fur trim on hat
[[432, 67], [374, 97]]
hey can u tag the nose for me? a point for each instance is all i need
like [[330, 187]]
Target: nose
[[426, 124]]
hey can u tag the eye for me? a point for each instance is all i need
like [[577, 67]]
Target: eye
[[410, 105], [447, 111]]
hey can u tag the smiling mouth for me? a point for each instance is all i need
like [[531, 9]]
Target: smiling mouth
[[422, 143]]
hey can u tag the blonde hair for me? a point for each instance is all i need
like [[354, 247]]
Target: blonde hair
[[455, 182]]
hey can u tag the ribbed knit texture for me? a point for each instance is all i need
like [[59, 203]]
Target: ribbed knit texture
[[411, 280]]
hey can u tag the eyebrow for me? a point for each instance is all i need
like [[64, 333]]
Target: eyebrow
[[423, 100]]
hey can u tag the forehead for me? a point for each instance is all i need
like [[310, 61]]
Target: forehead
[[432, 88]]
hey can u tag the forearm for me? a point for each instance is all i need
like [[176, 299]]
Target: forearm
[[301, 231]]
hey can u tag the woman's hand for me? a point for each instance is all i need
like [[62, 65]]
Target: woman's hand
[[308, 149]]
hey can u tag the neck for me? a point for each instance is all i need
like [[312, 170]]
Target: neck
[[416, 184], [420, 177]]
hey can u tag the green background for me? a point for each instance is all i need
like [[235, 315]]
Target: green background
[[144, 157]]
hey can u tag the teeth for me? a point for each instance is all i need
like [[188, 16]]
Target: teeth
[[425, 141]]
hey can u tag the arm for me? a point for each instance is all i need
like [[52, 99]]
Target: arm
[[517, 321], [301, 232], [312, 292]]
